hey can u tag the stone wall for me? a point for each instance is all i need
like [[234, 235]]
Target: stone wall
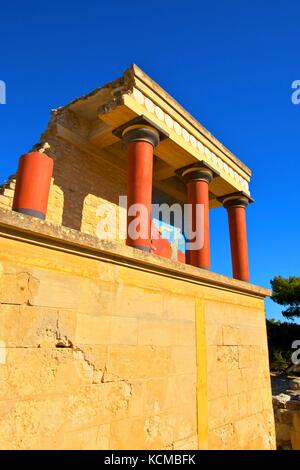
[[106, 347], [239, 391], [287, 412]]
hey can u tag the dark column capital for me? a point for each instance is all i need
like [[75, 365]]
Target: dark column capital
[[199, 171], [140, 129], [141, 134], [238, 199]]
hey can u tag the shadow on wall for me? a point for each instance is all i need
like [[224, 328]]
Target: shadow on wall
[[85, 182]]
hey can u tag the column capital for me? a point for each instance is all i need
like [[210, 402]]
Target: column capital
[[238, 199], [140, 129], [141, 134], [199, 171]]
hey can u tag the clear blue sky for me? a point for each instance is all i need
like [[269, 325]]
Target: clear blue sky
[[230, 63]]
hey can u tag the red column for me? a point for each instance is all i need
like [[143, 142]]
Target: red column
[[33, 184], [236, 208], [141, 142], [198, 179]]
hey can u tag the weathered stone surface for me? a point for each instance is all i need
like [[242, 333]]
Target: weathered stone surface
[[281, 400], [17, 287], [222, 438], [98, 355], [286, 413]]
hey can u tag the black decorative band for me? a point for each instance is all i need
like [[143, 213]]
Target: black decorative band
[[236, 202], [202, 174], [141, 134], [198, 171], [31, 212]]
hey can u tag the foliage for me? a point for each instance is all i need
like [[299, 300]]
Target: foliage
[[279, 362], [281, 335], [286, 291]]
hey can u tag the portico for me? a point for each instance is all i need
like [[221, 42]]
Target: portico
[[130, 341], [146, 135]]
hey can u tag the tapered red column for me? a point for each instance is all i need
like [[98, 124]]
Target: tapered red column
[[236, 209], [33, 184], [141, 142], [197, 178]]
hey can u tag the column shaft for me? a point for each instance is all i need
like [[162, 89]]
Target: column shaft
[[140, 170], [198, 194], [33, 184], [238, 242]]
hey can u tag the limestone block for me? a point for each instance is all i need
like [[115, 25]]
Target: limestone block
[[9, 192], [66, 326], [211, 358], [222, 438], [281, 400], [236, 383], [18, 287], [217, 384], [252, 336], [244, 357], [93, 405], [92, 438], [136, 362], [32, 371], [156, 396], [139, 302], [182, 391], [97, 298], [246, 430], [26, 422], [254, 401], [95, 355], [156, 332], [190, 443], [183, 421], [234, 408], [24, 326], [227, 357], [128, 434], [186, 333], [124, 330], [231, 335], [255, 377], [57, 289], [214, 334], [183, 359], [179, 307], [5, 201], [92, 330], [137, 401], [159, 431], [266, 397]]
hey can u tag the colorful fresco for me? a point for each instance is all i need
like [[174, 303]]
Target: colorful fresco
[[167, 241]]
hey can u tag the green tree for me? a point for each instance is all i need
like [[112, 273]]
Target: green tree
[[279, 362], [286, 291]]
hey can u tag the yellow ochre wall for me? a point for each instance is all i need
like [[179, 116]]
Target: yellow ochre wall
[[105, 351]]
